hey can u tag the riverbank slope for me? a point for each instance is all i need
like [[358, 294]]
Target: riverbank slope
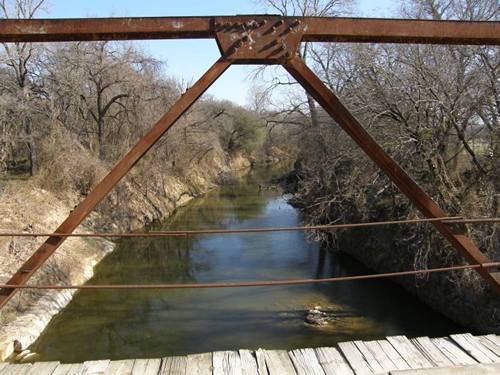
[[138, 201]]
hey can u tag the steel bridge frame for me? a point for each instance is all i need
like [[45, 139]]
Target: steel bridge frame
[[255, 39]]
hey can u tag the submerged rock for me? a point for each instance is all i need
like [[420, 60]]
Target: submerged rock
[[320, 317]]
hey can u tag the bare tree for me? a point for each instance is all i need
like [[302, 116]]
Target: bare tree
[[303, 8], [110, 80], [19, 58]]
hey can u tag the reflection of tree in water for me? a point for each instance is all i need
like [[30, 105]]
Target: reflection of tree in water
[[167, 259]]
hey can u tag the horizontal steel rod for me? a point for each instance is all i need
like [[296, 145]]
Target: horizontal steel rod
[[257, 283], [479, 220], [317, 29], [181, 233]]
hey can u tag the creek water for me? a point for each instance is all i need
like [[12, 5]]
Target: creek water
[[100, 324]]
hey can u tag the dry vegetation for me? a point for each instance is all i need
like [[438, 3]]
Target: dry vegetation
[[435, 109]]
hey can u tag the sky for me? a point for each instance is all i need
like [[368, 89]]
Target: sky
[[189, 59]]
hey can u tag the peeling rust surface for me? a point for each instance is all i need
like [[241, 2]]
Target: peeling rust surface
[[315, 29], [264, 40]]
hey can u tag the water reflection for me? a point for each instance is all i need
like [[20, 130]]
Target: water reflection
[[154, 323]]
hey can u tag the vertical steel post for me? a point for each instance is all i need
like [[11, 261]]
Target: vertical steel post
[[114, 176], [327, 99]]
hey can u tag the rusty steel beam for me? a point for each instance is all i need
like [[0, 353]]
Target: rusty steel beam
[[114, 176], [317, 29], [359, 30], [89, 29], [327, 99]]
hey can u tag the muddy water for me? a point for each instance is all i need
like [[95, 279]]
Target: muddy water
[[149, 323]]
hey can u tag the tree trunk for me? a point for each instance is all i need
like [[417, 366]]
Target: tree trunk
[[496, 174], [100, 137], [30, 147]]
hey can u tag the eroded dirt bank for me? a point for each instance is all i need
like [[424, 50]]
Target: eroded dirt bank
[[24, 206], [462, 295]]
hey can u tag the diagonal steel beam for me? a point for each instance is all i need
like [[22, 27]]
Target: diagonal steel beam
[[114, 176], [327, 99], [317, 29]]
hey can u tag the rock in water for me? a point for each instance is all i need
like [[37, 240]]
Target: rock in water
[[318, 317]]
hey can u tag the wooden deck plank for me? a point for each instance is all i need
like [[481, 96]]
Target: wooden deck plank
[[278, 362], [495, 338], [453, 352], [42, 368], [393, 355], [332, 362], [431, 351], [409, 352], [306, 362], [261, 362], [248, 363], [123, 367], [477, 350], [355, 358], [16, 369], [68, 369], [477, 369], [174, 365], [374, 361], [377, 351], [490, 342], [199, 364], [226, 363], [95, 367], [150, 366]]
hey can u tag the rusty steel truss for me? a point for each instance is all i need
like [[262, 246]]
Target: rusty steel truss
[[256, 39]]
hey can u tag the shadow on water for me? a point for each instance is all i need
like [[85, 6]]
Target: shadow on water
[[155, 323]]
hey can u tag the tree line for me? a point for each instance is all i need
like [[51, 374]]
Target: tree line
[[97, 99]]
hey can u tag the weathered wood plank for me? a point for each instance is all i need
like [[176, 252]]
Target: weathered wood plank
[[355, 358], [306, 362], [477, 350], [278, 362], [373, 360], [431, 351], [456, 355], [68, 369], [174, 365], [332, 362], [226, 363], [42, 368], [490, 342], [477, 369], [248, 363], [409, 352], [123, 367], [393, 355], [147, 366], [2, 365], [199, 364], [261, 362], [95, 367], [376, 350], [16, 369]]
